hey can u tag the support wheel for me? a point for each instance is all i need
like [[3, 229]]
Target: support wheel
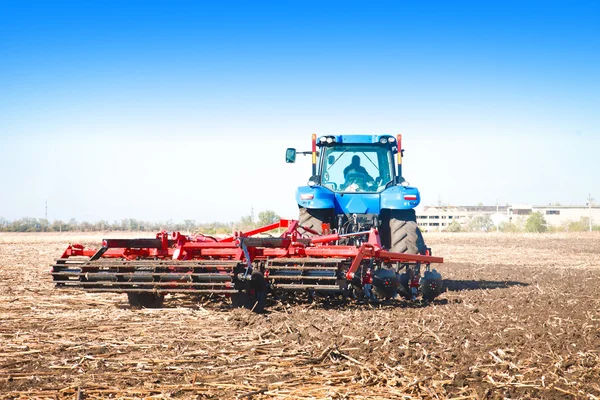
[[240, 299], [431, 285], [313, 219], [404, 290], [254, 297], [145, 300], [385, 283], [405, 235], [258, 294]]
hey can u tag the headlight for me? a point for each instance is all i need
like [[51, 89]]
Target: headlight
[[322, 139], [383, 140], [391, 140], [329, 139]]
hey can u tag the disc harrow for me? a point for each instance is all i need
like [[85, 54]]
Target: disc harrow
[[245, 266]]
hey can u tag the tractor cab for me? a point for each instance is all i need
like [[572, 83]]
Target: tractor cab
[[356, 168], [356, 184], [353, 163]]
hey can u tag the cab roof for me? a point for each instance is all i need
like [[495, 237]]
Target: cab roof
[[355, 139]]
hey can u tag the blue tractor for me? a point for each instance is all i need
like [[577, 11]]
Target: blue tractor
[[357, 184]]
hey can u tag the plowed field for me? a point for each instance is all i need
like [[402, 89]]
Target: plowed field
[[520, 319]]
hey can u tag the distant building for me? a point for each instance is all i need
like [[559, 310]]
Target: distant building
[[556, 215], [438, 218], [433, 218]]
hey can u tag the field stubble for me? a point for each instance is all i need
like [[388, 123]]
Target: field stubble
[[520, 319]]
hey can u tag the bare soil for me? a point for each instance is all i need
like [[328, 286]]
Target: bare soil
[[520, 319]]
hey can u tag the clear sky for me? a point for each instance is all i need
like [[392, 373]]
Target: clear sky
[[183, 110]]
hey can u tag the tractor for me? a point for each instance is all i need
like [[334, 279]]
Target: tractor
[[357, 184]]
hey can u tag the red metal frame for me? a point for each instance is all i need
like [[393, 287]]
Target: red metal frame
[[177, 246]]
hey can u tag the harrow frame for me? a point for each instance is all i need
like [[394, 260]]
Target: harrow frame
[[240, 263]]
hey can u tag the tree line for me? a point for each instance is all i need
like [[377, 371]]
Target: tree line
[[534, 223], [130, 224]]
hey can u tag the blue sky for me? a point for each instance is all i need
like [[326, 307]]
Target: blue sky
[[183, 110]]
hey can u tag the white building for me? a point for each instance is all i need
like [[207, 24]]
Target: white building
[[439, 218], [432, 218], [557, 215]]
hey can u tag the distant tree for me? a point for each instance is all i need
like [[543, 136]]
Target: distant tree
[[86, 226], [481, 223], [454, 226], [267, 217], [536, 223], [72, 225], [246, 223], [101, 225], [130, 224], [509, 227], [58, 226], [578, 226], [189, 225], [44, 225]]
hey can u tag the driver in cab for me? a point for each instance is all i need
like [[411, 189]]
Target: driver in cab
[[356, 176]]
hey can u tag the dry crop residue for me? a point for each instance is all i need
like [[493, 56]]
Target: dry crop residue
[[520, 319]]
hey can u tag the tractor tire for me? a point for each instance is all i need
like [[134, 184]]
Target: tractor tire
[[145, 300], [405, 235], [313, 219]]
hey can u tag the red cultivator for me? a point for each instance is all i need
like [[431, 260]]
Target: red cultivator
[[247, 267]]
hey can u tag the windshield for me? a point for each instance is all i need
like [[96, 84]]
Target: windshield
[[356, 168]]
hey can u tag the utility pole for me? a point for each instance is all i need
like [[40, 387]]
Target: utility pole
[[46, 210], [497, 216], [590, 199]]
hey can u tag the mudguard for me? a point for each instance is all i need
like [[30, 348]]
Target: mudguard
[[400, 198], [315, 197]]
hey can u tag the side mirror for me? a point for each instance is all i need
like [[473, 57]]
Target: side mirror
[[290, 156]]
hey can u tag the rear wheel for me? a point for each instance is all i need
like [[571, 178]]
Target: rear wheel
[[313, 218], [145, 299], [405, 235]]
